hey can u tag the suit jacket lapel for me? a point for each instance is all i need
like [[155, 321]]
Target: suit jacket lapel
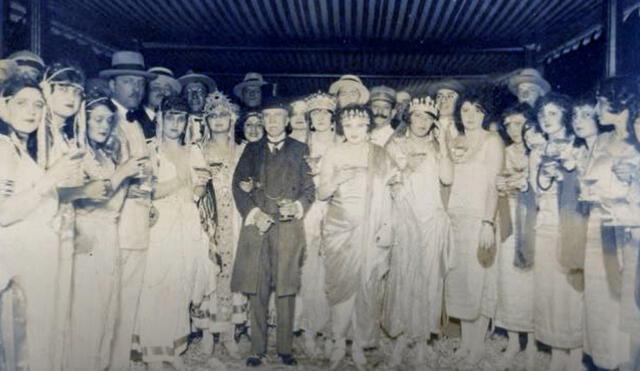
[[263, 149]]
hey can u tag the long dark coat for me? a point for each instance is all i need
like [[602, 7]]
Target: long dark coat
[[297, 184]]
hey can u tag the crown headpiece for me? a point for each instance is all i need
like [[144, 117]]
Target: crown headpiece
[[216, 101], [353, 113], [321, 100], [425, 104]]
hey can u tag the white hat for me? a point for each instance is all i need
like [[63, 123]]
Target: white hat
[[126, 63], [165, 74], [350, 80]]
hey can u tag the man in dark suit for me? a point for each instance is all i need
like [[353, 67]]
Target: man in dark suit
[[273, 190]]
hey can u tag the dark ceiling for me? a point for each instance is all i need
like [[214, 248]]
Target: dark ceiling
[[304, 44]]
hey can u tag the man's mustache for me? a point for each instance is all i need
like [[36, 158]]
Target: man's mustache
[[382, 116]]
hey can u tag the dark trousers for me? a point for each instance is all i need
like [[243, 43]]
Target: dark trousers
[[285, 305]]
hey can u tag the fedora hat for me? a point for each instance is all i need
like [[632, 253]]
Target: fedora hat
[[191, 77], [250, 79], [165, 74], [530, 75], [126, 63], [350, 80], [450, 84]]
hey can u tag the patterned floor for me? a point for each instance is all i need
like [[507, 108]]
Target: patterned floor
[[440, 359]]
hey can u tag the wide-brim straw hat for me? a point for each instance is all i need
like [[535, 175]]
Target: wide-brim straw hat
[[353, 81], [191, 77], [165, 74], [250, 79], [127, 63]]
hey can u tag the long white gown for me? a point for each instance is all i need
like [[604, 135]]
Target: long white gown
[[558, 306], [514, 310], [413, 299], [470, 289], [224, 309], [604, 339], [96, 273], [314, 311], [178, 270], [29, 251]]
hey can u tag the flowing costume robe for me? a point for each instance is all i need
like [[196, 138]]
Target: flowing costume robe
[[356, 239], [30, 254], [413, 297], [96, 275], [178, 268]]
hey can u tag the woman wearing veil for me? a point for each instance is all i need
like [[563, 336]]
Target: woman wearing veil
[[30, 252], [178, 271], [95, 287], [221, 312]]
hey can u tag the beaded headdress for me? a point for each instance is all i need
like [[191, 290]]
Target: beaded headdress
[[217, 102], [353, 113], [321, 100], [425, 104]]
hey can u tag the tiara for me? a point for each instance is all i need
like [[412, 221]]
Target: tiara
[[425, 104], [217, 101], [355, 113], [321, 100]]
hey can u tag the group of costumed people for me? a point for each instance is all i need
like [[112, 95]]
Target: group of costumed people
[[139, 208]]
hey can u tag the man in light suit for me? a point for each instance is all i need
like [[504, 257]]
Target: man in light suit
[[127, 80]]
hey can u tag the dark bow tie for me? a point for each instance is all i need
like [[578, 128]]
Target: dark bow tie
[[134, 115]]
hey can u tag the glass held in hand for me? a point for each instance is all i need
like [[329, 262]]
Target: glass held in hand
[[286, 209], [247, 184], [459, 147], [626, 168], [587, 192], [145, 175]]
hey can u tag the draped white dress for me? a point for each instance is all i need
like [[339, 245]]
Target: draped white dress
[[413, 298], [314, 309], [29, 252], [178, 272], [470, 289], [604, 339], [514, 310], [558, 306], [96, 273]]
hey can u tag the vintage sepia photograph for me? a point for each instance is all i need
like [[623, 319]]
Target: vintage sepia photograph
[[346, 185]]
